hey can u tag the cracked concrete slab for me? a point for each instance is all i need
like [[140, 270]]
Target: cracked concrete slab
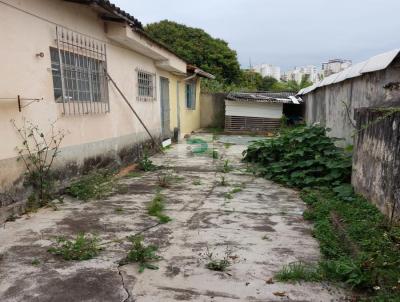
[[261, 225]]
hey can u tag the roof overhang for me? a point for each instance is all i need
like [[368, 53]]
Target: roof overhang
[[263, 97], [131, 39], [199, 72]]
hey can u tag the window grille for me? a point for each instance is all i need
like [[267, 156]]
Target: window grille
[[191, 96], [78, 66], [146, 86]]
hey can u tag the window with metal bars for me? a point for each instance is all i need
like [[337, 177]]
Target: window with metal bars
[[191, 96], [146, 86], [78, 66]]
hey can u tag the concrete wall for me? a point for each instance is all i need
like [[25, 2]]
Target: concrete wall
[[27, 29], [212, 110], [325, 105], [376, 160]]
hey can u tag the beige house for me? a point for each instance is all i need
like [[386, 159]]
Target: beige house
[[57, 60]]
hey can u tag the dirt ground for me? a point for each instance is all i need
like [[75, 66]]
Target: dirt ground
[[261, 226]]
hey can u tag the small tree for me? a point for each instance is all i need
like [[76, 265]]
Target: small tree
[[38, 153]]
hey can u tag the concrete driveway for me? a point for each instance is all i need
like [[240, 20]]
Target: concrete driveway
[[260, 225]]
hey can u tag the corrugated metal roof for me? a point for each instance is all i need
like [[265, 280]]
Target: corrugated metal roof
[[265, 97], [375, 63], [380, 61]]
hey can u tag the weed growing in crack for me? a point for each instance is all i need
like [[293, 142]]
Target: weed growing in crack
[[92, 186], [146, 164], [297, 271], [165, 180], [213, 154], [35, 262], [133, 174], [220, 265], [141, 254], [156, 208], [197, 182], [119, 210], [226, 167], [228, 195], [228, 145], [236, 190], [84, 247], [223, 181]]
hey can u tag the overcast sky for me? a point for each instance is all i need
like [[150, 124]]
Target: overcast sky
[[286, 33]]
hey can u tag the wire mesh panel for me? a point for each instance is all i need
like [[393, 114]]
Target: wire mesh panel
[[146, 85], [79, 73]]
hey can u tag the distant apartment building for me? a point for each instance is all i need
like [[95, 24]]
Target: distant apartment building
[[298, 73], [268, 70], [335, 66]]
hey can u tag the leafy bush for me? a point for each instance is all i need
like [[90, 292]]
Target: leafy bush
[[82, 248], [301, 157], [139, 253]]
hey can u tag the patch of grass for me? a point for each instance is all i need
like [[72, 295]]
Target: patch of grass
[[156, 208], [35, 262], [220, 265], [141, 254], [228, 195], [265, 237], [236, 190], [298, 271], [197, 182], [133, 174], [84, 247], [92, 186], [11, 218], [119, 210], [359, 246], [228, 145]]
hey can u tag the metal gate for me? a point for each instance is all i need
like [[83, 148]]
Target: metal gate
[[165, 110]]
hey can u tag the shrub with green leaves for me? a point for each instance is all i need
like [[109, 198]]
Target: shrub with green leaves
[[84, 247], [301, 157], [146, 164], [141, 254]]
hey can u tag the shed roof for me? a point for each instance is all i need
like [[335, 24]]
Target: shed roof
[[375, 63], [265, 97]]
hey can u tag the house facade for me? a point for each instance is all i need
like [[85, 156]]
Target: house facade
[[57, 62]]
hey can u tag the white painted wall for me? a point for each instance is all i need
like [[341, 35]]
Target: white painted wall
[[253, 109], [28, 28]]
